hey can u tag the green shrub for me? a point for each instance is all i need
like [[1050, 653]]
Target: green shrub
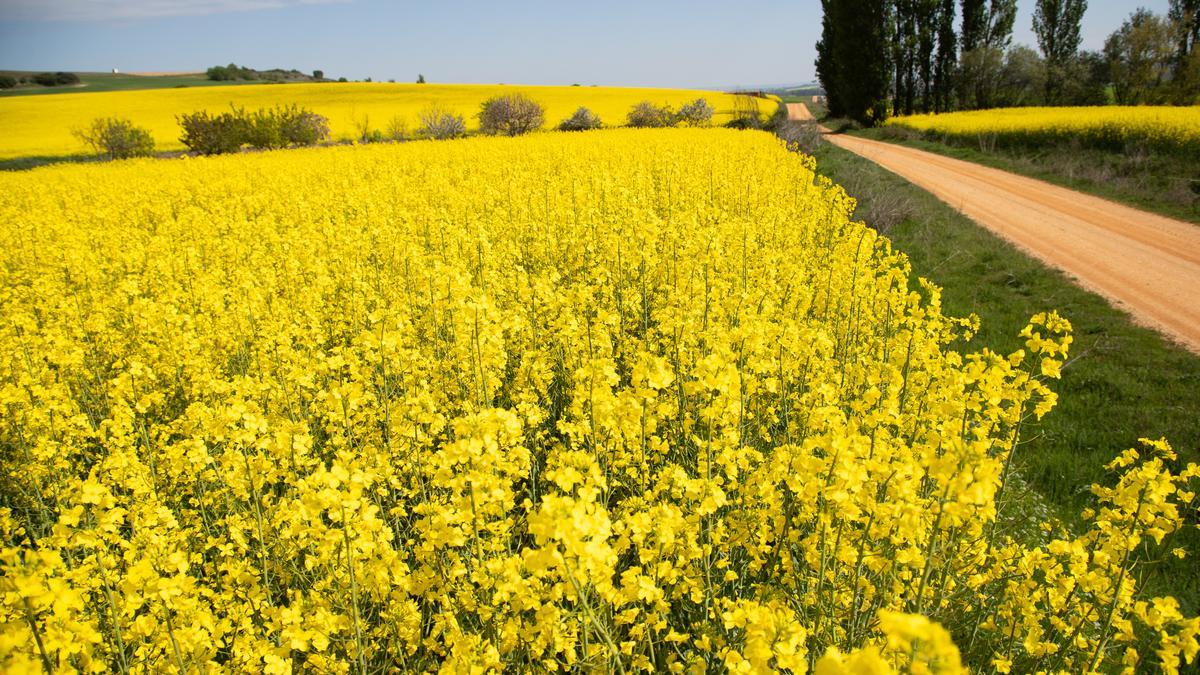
[[511, 115], [7, 81], [301, 126], [116, 138], [648, 115], [582, 120], [283, 127], [265, 129], [207, 134], [698, 113]]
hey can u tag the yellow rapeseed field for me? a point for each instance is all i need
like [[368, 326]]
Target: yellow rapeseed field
[[42, 125], [618, 401], [1166, 128]]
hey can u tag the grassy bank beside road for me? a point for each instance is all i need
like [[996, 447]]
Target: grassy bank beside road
[[1123, 382], [1153, 181]]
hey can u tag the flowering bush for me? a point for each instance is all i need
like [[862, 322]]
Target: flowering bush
[[698, 113], [648, 115], [582, 119], [631, 401], [438, 123], [511, 115]]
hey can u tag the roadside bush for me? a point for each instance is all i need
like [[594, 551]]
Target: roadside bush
[[648, 115], [879, 206], [437, 123], [7, 81], [698, 113], [800, 136], [581, 120], [207, 134], [116, 138], [511, 115]]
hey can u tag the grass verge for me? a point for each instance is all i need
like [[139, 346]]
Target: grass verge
[[1123, 382], [1163, 184]]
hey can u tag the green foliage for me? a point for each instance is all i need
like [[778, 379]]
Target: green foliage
[[7, 81], [852, 58], [231, 72], [207, 134], [264, 129], [1057, 24], [1139, 56], [59, 79], [116, 138]]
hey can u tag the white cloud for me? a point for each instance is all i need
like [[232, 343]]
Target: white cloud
[[99, 10]]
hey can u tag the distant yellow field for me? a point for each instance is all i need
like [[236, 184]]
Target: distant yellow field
[[41, 125], [1167, 128]]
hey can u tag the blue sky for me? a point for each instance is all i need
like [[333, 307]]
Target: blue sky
[[701, 43]]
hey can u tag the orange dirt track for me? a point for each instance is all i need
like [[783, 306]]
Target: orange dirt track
[[1146, 264]]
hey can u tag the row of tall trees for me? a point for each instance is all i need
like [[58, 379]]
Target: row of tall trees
[[881, 57]]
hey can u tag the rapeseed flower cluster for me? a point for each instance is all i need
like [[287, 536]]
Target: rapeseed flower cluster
[[1168, 129], [627, 401]]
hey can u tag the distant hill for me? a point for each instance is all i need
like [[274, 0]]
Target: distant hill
[[96, 82], [118, 81], [812, 89]]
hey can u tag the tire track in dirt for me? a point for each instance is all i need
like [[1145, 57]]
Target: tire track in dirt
[[1144, 263]]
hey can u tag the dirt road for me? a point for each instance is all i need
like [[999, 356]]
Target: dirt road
[[1146, 264]]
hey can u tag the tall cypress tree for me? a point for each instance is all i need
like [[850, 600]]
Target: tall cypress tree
[[827, 67], [852, 60]]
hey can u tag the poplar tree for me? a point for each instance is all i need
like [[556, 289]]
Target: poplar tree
[[1185, 14], [974, 24], [1056, 24], [947, 57]]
